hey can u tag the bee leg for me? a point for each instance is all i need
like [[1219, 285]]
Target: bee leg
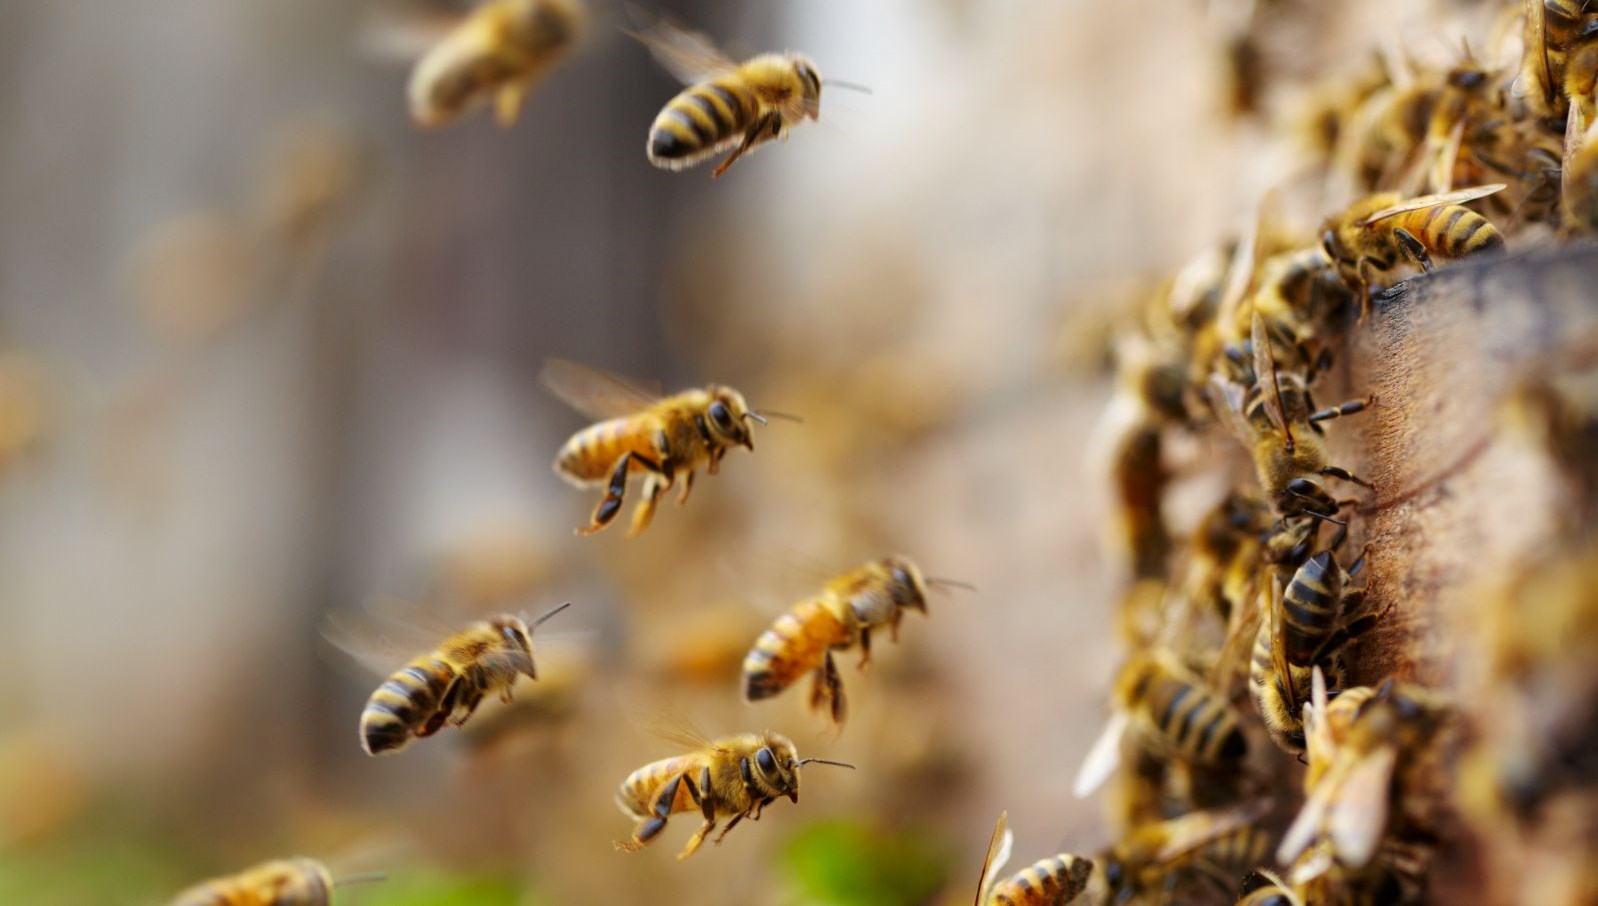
[[1414, 248], [835, 690], [610, 504], [1344, 474], [730, 825], [865, 649], [466, 706], [664, 800], [508, 103], [715, 461], [893, 627], [687, 488], [1363, 290], [654, 486], [751, 138], [707, 807], [443, 710], [1348, 408], [1354, 628], [760, 806]]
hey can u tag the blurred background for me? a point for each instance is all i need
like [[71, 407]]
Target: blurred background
[[268, 350]]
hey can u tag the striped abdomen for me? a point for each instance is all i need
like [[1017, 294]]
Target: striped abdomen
[[1047, 882], [1309, 607], [287, 882], [405, 704], [1193, 721], [1451, 230], [794, 645], [700, 122], [591, 453], [1237, 851], [1278, 703], [636, 797]]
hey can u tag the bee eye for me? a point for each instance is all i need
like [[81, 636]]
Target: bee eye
[[720, 415], [767, 761]]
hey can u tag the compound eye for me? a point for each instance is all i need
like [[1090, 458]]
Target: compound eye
[[720, 415], [1329, 242], [766, 760]]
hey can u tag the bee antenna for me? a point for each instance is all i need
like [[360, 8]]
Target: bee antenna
[[365, 877], [756, 416], [763, 414], [951, 583], [551, 612], [841, 764], [852, 86]]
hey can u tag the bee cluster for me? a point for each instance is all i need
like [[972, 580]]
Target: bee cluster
[[1458, 769]]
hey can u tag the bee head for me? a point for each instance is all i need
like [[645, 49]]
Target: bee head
[[728, 416], [810, 84], [774, 768], [517, 636], [906, 584]]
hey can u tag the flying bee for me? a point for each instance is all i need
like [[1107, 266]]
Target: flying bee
[[1305, 627], [1062, 880], [447, 684], [844, 614], [728, 105], [1273, 418], [643, 432], [1368, 777], [1173, 711], [281, 882], [498, 52], [1377, 236], [734, 776]]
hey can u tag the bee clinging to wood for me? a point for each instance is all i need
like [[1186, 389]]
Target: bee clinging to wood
[[727, 105], [732, 777], [645, 433]]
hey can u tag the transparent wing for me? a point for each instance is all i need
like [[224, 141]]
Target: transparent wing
[[1431, 201], [1536, 51], [688, 55], [674, 727], [1240, 272], [403, 34], [1317, 733], [1442, 178], [1265, 373], [998, 854], [1302, 832], [1103, 758], [1226, 398], [1189, 832], [385, 633], [1574, 139], [1359, 814], [1279, 645], [595, 392]]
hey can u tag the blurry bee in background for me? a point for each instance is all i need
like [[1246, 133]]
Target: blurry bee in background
[[734, 776], [1579, 184], [1173, 711], [1469, 114], [1377, 236], [447, 684], [1302, 300], [1371, 783], [282, 882], [728, 105], [1386, 132], [642, 432], [499, 51], [1327, 113], [1553, 29], [1272, 418], [1266, 888], [848, 610]]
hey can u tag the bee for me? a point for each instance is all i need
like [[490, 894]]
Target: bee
[[1273, 417], [1553, 31], [1302, 631], [1373, 767], [734, 776], [498, 52], [1302, 299], [642, 432], [281, 882], [1377, 236], [1062, 880], [1172, 710], [1579, 184], [844, 614], [728, 105], [447, 684]]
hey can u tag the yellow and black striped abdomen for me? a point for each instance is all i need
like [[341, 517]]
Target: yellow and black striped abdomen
[[636, 797], [1056, 880], [795, 644], [1310, 605], [700, 122], [1451, 230], [590, 454], [1194, 722], [1238, 851], [404, 704]]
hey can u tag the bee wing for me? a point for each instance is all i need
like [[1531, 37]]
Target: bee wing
[[595, 392], [1226, 398], [403, 35], [1240, 272], [386, 633], [1191, 831], [1317, 733], [1536, 54], [1265, 372], [1279, 644], [1103, 758], [1359, 815], [1240, 635], [1442, 177], [998, 854], [688, 55], [1307, 825], [1431, 201], [675, 727]]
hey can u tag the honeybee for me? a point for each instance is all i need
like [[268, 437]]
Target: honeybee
[[728, 105], [845, 613], [642, 432], [1273, 418], [1553, 29], [1371, 768], [1302, 299], [447, 684], [281, 882], [1377, 236], [1173, 711], [499, 51], [1062, 880], [734, 776]]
